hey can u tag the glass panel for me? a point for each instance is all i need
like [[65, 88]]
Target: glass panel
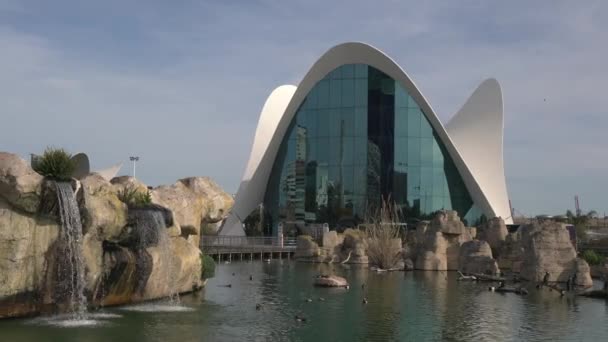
[[413, 122], [401, 122], [334, 151], [323, 150], [437, 155], [313, 98], [413, 151], [348, 120], [426, 151], [361, 92], [425, 128], [361, 122], [336, 74], [335, 122], [400, 97], [348, 71], [360, 180], [323, 123], [360, 152], [360, 71], [348, 93], [335, 93], [348, 149], [323, 93]]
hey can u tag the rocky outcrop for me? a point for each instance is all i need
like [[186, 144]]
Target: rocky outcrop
[[355, 246], [476, 258], [100, 208], [307, 249], [547, 249], [330, 281], [218, 202], [511, 254], [124, 262], [24, 242], [439, 242], [19, 184], [194, 201], [127, 182], [495, 232]]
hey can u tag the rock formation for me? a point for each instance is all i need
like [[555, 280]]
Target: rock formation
[[130, 254], [547, 248], [476, 258], [495, 232], [439, 242], [195, 201]]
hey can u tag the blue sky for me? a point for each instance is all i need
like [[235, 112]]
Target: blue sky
[[181, 83]]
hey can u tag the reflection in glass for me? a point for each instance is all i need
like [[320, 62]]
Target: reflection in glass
[[358, 137]]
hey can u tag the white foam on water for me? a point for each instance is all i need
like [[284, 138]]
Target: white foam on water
[[68, 321], [157, 308]]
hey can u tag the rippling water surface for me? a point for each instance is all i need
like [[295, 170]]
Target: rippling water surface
[[414, 306]]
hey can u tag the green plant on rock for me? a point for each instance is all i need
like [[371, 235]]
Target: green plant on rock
[[208, 265], [134, 198], [54, 163], [592, 258]]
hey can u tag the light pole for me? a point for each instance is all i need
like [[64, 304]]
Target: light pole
[[134, 159]]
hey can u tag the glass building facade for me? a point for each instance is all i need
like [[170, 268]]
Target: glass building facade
[[357, 138]]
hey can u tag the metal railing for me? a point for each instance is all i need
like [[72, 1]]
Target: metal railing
[[247, 243]]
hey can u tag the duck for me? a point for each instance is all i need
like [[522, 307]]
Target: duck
[[250, 277], [300, 318], [321, 299], [258, 306], [364, 301], [309, 300]]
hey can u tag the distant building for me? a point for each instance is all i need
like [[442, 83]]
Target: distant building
[[357, 130]]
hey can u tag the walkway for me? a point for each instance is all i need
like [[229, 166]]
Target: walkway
[[239, 247]]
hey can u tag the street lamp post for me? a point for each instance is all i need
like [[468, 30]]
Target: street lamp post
[[134, 159]]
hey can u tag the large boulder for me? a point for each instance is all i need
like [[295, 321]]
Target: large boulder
[[176, 270], [127, 182], [432, 256], [330, 281], [218, 202], [306, 248], [476, 257], [355, 245], [19, 184], [547, 249], [495, 232], [100, 208], [24, 243], [439, 242]]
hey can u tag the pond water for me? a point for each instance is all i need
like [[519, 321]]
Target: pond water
[[411, 306]]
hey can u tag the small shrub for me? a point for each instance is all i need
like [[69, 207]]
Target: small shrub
[[592, 258], [133, 198], [55, 163], [208, 265], [382, 231]]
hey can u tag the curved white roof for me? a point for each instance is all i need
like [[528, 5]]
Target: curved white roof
[[476, 148]]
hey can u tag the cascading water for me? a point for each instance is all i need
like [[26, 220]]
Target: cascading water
[[73, 239], [152, 230]]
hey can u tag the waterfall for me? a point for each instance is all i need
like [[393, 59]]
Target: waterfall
[[151, 230], [73, 238]]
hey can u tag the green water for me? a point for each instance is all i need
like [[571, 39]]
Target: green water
[[414, 306]]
